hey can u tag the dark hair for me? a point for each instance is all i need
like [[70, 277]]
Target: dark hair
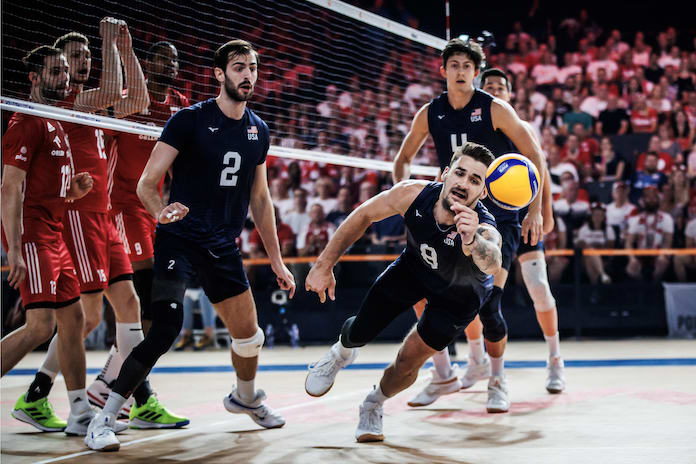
[[70, 37], [231, 49], [35, 60], [496, 72], [471, 49], [156, 47], [475, 151]]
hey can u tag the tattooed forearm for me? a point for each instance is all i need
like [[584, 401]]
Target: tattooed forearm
[[485, 251]]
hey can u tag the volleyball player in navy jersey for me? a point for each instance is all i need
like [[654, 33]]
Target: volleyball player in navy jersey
[[453, 250], [217, 150]]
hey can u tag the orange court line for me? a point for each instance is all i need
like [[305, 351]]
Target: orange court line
[[566, 252]]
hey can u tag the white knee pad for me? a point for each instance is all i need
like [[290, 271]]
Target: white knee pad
[[249, 347], [537, 282]]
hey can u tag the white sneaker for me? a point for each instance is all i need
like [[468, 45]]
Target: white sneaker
[[78, 425], [322, 374], [555, 381], [259, 412], [476, 371], [98, 393], [370, 425], [100, 433], [437, 387], [497, 395]]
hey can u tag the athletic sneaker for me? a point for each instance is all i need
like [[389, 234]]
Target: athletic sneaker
[[476, 371], [437, 387], [184, 342], [497, 395], [370, 425], [259, 412], [78, 424], [322, 374], [555, 381], [98, 393], [100, 433], [153, 415], [38, 413]]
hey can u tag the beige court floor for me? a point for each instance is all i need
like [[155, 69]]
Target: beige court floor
[[614, 414]]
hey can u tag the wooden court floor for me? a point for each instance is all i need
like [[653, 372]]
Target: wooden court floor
[[626, 402]]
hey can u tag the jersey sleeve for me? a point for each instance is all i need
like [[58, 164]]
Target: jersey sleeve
[[178, 129], [485, 217], [266, 143], [21, 141]]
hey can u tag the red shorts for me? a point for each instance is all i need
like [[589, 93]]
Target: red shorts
[[96, 249], [137, 231], [51, 281]]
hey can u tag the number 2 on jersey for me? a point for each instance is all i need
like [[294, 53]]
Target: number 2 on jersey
[[453, 141], [227, 177]]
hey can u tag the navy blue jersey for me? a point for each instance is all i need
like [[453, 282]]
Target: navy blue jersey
[[214, 170], [435, 252], [451, 128]]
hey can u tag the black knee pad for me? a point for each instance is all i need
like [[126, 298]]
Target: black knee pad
[[494, 326], [345, 334], [142, 281], [166, 325]]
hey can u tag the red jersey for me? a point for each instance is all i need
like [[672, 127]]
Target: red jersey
[[40, 147], [89, 155], [134, 150]]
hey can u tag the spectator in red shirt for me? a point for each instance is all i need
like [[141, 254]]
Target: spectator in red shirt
[[286, 239], [643, 118], [664, 160], [313, 238]]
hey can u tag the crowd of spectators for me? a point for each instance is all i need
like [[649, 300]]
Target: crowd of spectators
[[615, 120]]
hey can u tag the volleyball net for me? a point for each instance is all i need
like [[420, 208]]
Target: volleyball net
[[337, 84]]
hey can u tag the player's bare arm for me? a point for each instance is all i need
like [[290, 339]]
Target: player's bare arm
[[505, 119], [393, 201], [485, 249], [160, 160], [262, 212], [11, 201], [109, 90], [138, 97], [546, 199], [481, 241], [413, 141], [80, 185]]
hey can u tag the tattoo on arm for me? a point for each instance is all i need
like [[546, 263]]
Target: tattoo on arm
[[485, 250]]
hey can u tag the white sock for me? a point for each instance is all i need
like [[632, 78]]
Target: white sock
[[476, 349], [50, 366], [345, 353], [112, 366], [554, 344], [443, 365], [78, 401], [376, 396], [246, 390], [128, 336], [497, 365], [114, 403]]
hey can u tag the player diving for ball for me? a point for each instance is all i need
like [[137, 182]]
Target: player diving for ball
[[453, 250]]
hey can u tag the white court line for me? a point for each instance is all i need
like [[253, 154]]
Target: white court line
[[180, 432]]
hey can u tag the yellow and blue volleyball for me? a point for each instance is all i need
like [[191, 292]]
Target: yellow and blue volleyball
[[512, 181]]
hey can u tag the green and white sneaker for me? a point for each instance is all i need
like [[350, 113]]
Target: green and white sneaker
[[153, 415], [38, 413]]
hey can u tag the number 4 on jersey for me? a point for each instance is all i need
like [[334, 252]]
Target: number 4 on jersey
[[453, 141]]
